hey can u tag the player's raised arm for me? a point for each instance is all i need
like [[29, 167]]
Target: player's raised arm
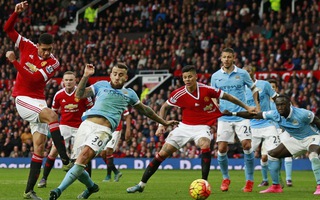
[[83, 91]]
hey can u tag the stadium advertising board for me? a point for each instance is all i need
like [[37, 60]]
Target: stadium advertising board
[[168, 164]]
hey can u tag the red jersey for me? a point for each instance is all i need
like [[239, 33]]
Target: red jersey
[[198, 107], [125, 113], [71, 108], [33, 71]]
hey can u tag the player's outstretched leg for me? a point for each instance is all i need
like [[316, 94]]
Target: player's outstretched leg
[[151, 169]]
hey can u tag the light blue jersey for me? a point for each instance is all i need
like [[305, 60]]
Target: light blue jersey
[[297, 124], [110, 103], [234, 84], [265, 93]]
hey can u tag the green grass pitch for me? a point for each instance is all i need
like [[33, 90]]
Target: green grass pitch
[[164, 185]]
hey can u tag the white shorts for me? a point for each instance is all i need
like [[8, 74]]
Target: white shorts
[[29, 110], [116, 135], [299, 147], [93, 135], [269, 135], [185, 133], [226, 131], [68, 133]]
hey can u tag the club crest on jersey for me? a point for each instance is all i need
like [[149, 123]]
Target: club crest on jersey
[[49, 69], [237, 77], [43, 63], [76, 99], [295, 122], [208, 107], [206, 99]]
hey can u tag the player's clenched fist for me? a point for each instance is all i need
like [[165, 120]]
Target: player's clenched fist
[[89, 70], [21, 7], [11, 56]]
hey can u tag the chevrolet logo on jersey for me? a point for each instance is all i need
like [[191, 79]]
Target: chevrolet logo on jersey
[[32, 67], [71, 106], [208, 107]]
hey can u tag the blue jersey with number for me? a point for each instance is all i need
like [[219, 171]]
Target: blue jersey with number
[[111, 103], [297, 124], [265, 93], [234, 84]]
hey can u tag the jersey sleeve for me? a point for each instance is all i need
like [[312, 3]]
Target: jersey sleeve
[[56, 103], [270, 91], [247, 80], [308, 116], [89, 102], [134, 99], [272, 115]]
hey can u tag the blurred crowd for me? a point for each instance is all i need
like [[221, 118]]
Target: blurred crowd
[[166, 34]]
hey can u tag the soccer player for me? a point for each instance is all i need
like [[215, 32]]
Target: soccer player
[[199, 113], [303, 127], [265, 130], [107, 153], [283, 135], [233, 80], [111, 100], [71, 110], [36, 67]]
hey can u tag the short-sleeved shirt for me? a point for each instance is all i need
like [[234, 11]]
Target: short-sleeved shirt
[[234, 84], [71, 108], [297, 124], [198, 107], [111, 103]]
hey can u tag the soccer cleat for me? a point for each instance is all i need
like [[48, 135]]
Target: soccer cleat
[[263, 183], [89, 191], [225, 185], [317, 192], [273, 189], [55, 194], [107, 179], [289, 183], [31, 195], [136, 188], [67, 167], [42, 183], [117, 177], [248, 187]]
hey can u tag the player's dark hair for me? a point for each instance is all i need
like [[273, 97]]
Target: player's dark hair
[[273, 81], [228, 50], [284, 96], [121, 66], [189, 68], [45, 38]]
